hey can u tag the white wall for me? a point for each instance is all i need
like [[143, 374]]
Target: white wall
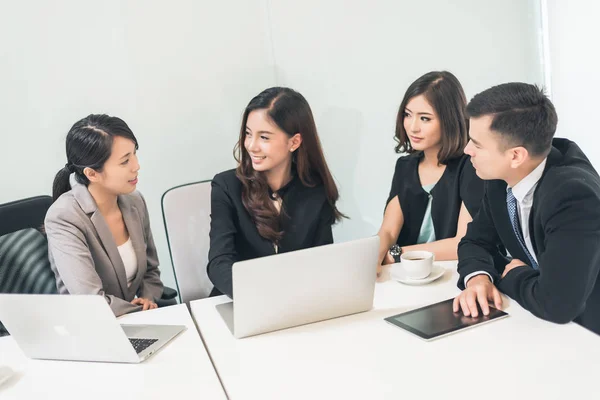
[[573, 31], [354, 60], [181, 72]]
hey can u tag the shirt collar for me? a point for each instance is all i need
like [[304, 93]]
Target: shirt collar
[[527, 184], [284, 189]]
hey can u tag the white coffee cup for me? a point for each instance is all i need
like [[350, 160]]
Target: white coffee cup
[[417, 264]]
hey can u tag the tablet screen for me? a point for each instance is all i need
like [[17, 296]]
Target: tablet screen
[[439, 319]]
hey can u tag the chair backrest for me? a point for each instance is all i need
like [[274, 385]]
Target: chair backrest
[[186, 214], [22, 214], [24, 263]]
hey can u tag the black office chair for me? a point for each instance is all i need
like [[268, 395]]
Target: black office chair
[[24, 263]]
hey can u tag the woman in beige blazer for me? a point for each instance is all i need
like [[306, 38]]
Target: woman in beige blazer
[[99, 237]]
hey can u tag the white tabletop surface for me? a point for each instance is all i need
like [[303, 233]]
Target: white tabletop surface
[[180, 370], [362, 357]]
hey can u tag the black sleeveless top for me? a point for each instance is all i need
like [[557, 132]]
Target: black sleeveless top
[[459, 183]]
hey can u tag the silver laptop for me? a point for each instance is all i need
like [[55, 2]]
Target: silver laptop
[[78, 328], [301, 287]]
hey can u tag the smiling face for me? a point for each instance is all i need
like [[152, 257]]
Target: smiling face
[[119, 173], [269, 147], [421, 124]]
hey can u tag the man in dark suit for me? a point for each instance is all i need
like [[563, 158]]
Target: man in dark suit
[[541, 204]]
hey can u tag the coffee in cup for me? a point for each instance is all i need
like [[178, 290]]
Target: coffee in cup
[[417, 264]]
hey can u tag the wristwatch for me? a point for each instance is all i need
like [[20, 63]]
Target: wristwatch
[[396, 252]]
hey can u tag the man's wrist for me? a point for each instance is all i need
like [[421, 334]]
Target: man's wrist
[[481, 278]]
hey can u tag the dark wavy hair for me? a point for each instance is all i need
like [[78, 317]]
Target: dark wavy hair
[[290, 111], [89, 145], [445, 94]]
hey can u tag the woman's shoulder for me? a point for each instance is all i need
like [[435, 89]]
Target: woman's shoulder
[[465, 165], [227, 180], [136, 199], [64, 212], [66, 205], [314, 200], [460, 160], [314, 193], [459, 166], [471, 187], [406, 163], [404, 171], [408, 159]]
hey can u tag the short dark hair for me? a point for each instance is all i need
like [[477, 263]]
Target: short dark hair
[[445, 94], [522, 114]]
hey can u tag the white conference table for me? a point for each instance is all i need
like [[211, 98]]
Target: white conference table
[[180, 370], [362, 357]]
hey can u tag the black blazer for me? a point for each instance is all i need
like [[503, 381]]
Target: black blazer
[[307, 219], [565, 232], [459, 183]]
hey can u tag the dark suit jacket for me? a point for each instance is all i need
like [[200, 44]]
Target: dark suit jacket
[[458, 184], [306, 219], [565, 230]]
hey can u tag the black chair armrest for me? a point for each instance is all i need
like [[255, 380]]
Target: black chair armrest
[[169, 297], [168, 293]]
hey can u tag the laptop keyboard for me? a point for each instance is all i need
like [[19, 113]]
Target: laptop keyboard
[[141, 344]]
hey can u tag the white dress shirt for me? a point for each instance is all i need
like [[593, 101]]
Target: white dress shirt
[[523, 192]]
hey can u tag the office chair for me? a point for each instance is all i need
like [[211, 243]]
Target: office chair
[[24, 263], [186, 214]]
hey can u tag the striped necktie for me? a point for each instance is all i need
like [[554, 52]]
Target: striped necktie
[[511, 204]]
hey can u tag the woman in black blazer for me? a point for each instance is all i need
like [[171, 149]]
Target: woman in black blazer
[[435, 191], [281, 197]]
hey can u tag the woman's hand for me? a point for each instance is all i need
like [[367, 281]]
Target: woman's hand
[[146, 304]]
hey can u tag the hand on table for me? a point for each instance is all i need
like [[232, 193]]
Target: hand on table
[[480, 289], [146, 304]]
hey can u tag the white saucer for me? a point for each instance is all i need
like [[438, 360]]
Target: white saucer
[[399, 274]]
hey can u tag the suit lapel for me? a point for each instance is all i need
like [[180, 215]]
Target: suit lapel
[[110, 247], [131, 216], [497, 193], [553, 158], [88, 205]]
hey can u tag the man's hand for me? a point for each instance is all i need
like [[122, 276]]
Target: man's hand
[[480, 289], [512, 265], [146, 304]]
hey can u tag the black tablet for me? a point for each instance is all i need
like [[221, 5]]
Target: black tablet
[[437, 320]]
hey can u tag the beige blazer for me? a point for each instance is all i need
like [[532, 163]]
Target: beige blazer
[[84, 256]]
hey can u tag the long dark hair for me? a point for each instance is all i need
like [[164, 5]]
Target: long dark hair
[[89, 145], [290, 111], [445, 94]]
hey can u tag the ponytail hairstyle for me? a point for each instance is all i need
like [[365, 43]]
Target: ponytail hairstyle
[[89, 145]]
